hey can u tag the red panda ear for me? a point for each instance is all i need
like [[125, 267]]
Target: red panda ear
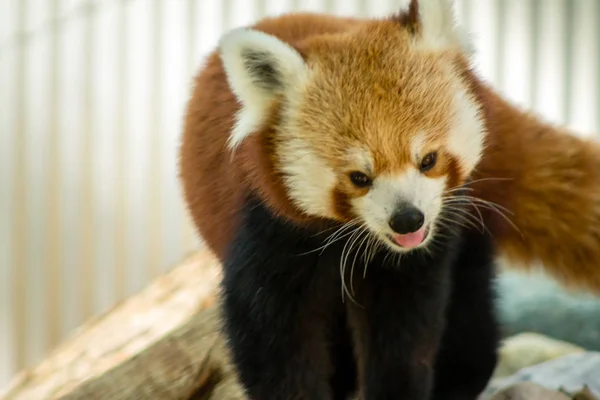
[[409, 17], [433, 23], [259, 68]]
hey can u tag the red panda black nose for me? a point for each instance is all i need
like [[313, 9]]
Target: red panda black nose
[[406, 220]]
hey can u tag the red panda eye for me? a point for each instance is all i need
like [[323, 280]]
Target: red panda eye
[[359, 179], [428, 162]]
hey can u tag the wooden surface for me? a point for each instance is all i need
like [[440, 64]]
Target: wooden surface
[[126, 354], [164, 343]]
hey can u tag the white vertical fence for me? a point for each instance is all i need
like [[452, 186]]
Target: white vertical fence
[[91, 101]]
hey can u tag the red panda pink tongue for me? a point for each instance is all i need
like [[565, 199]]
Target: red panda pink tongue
[[411, 239]]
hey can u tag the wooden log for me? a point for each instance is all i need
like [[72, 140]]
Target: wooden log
[[162, 343]]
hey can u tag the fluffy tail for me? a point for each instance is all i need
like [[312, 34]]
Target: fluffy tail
[[547, 183]]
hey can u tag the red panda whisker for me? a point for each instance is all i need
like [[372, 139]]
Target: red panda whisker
[[353, 242], [338, 235], [459, 188], [480, 216], [459, 216], [352, 222], [452, 206], [399, 258], [366, 238], [467, 222], [331, 228], [343, 259], [487, 179], [485, 201], [498, 209], [476, 209], [344, 227], [490, 206], [478, 213], [463, 223], [384, 260], [474, 202], [508, 220], [435, 244], [334, 227], [331, 238], [367, 254], [377, 244], [445, 223], [371, 248]]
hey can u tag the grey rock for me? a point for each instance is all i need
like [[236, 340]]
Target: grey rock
[[570, 373]]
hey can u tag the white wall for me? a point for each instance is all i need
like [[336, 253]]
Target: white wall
[[91, 100]]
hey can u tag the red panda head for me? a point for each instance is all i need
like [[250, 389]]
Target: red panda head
[[375, 124]]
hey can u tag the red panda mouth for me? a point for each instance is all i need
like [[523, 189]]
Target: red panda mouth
[[412, 239]]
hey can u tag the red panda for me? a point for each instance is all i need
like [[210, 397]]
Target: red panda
[[325, 154], [541, 177]]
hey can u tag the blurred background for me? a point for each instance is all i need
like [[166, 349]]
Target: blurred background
[[91, 100]]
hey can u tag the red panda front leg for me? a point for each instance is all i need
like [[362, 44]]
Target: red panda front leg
[[398, 324], [276, 302], [468, 355]]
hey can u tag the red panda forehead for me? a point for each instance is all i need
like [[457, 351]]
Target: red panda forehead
[[358, 83], [372, 87], [385, 118], [404, 75]]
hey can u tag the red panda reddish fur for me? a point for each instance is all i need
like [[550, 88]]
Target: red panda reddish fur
[[549, 182], [548, 177]]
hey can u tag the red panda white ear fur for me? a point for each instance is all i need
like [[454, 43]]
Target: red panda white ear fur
[[259, 68], [438, 25]]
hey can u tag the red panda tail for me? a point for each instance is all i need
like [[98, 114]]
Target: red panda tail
[[546, 182]]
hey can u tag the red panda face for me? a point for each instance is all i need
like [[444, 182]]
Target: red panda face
[[375, 126]]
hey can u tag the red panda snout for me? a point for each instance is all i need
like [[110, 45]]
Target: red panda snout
[[402, 209]]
